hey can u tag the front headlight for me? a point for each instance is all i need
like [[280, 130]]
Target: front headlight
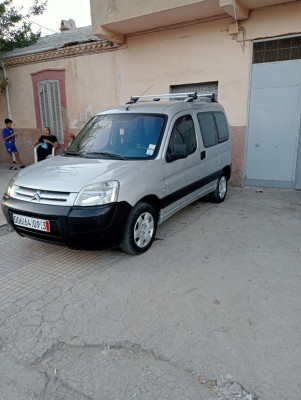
[[10, 187], [98, 194]]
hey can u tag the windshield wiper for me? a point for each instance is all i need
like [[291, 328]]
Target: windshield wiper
[[103, 153], [75, 153], [94, 153]]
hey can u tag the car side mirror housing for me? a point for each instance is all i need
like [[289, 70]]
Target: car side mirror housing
[[179, 151]]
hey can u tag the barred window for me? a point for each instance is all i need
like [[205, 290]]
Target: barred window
[[50, 107], [200, 88], [277, 50]]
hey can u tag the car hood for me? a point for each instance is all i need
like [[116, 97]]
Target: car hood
[[71, 174]]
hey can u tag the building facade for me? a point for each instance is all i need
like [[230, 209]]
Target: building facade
[[248, 52], [58, 82]]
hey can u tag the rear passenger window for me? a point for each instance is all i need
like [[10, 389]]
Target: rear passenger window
[[208, 129], [222, 126]]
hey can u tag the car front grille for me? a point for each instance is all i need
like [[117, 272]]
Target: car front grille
[[42, 196]]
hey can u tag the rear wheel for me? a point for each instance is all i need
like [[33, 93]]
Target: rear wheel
[[220, 192], [140, 229]]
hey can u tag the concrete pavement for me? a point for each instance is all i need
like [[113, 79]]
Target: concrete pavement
[[5, 176], [212, 311]]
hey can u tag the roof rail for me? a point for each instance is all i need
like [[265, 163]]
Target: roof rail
[[210, 96], [190, 96]]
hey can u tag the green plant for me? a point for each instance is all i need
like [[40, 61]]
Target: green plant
[[15, 28]]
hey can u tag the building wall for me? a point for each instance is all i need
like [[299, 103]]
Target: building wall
[[192, 54], [90, 87], [111, 10], [201, 51], [204, 52]]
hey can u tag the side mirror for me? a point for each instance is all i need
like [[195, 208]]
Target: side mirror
[[179, 151]]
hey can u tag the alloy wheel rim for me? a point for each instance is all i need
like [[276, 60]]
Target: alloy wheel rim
[[222, 187]]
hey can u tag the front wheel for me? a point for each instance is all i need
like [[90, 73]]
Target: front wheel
[[220, 192], [140, 229]]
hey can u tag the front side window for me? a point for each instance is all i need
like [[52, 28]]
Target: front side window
[[124, 136], [208, 129], [183, 132]]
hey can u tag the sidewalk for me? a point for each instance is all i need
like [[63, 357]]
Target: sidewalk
[[5, 176], [214, 302]]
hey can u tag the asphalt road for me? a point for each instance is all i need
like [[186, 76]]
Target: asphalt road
[[211, 311]]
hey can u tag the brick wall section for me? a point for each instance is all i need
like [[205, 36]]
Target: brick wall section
[[238, 134]]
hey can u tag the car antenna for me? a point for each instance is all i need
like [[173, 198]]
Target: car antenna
[[134, 101]]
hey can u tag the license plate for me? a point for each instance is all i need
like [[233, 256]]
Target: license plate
[[32, 223]]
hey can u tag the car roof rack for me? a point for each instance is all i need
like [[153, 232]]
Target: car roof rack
[[189, 97]]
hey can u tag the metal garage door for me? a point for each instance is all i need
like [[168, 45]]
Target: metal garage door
[[273, 157]]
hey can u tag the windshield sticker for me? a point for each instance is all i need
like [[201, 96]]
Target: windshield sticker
[[149, 152], [121, 133], [152, 147]]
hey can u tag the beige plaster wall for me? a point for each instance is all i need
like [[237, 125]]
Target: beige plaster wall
[[21, 97], [204, 52], [198, 53], [3, 109], [192, 54], [284, 19], [106, 11], [90, 87], [195, 53]]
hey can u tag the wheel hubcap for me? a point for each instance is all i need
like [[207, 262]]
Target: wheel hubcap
[[222, 187], [144, 229]]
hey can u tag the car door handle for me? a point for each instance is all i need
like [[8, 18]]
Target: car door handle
[[203, 155]]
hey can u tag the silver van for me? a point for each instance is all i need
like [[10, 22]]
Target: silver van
[[128, 170]]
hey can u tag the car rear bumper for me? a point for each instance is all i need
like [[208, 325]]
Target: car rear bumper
[[94, 228]]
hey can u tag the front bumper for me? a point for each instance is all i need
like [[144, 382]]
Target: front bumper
[[94, 228]]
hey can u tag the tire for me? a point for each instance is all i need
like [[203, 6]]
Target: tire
[[140, 229], [221, 189]]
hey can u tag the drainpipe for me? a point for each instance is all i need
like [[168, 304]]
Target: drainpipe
[[6, 91], [7, 97]]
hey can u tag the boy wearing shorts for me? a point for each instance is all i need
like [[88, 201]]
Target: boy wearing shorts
[[9, 137]]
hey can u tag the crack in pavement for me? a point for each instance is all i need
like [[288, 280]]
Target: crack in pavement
[[230, 389], [5, 230], [99, 365], [54, 365]]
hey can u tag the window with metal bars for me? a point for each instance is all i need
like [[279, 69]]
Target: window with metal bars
[[50, 107], [277, 50], [200, 88]]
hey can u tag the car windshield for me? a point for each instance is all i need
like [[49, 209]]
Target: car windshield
[[120, 136]]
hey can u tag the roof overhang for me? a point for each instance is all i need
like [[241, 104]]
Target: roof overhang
[[115, 20]]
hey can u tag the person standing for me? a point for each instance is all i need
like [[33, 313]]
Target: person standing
[[46, 141], [9, 137]]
